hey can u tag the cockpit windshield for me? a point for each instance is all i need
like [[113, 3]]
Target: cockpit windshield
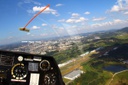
[[87, 38]]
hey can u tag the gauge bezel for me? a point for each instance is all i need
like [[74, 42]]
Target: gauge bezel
[[48, 67], [17, 77], [20, 58]]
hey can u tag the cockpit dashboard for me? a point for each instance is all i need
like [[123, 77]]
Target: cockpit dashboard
[[18, 68]]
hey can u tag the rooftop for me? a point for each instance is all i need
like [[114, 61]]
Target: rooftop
[[74, 74]]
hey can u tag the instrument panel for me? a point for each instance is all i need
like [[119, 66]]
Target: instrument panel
[[6, 60], [17, 68]]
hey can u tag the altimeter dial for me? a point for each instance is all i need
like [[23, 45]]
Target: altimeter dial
[[18, 71]]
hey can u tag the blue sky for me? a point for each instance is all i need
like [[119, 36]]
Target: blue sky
[[63, 17]]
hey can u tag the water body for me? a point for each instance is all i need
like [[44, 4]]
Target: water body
[[115, 68]]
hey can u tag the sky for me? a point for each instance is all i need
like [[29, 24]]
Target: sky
[[63, 17]]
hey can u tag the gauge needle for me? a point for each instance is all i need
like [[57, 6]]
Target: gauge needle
[[27, 30]]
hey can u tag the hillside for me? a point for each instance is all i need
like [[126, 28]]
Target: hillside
[[123, 30]]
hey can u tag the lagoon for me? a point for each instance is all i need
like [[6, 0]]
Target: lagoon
[[115, 68]]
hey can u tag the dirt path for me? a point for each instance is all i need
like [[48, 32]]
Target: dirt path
[[115, 75]]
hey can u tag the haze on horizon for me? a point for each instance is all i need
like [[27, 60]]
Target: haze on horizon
[[60, 19]]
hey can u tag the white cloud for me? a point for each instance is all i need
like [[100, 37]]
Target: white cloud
[[35, 27], [75, 15], [121, 5], [126, 13], [62, 20], [117, 21], [28, 2], [99, 19], [76, 20], [44, 24], [114, 24], [36, 3], [87, 13], [111, 24], [32, 1], [70, 20], [102, 24], [115, 8], [59, 5], [48, 10], [81, 19]]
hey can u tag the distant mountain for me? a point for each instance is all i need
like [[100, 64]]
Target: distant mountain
[[107, 33], [111, 33], [123, 30], [11, 46]]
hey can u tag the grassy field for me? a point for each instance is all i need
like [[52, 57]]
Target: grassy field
[[66, 80], [120, 79], [95, 75], [122, 36]]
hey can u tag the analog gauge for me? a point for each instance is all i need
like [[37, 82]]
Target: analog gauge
[[18, 71], [45, 65], [47, 80], [50, 79], [20, 58]]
